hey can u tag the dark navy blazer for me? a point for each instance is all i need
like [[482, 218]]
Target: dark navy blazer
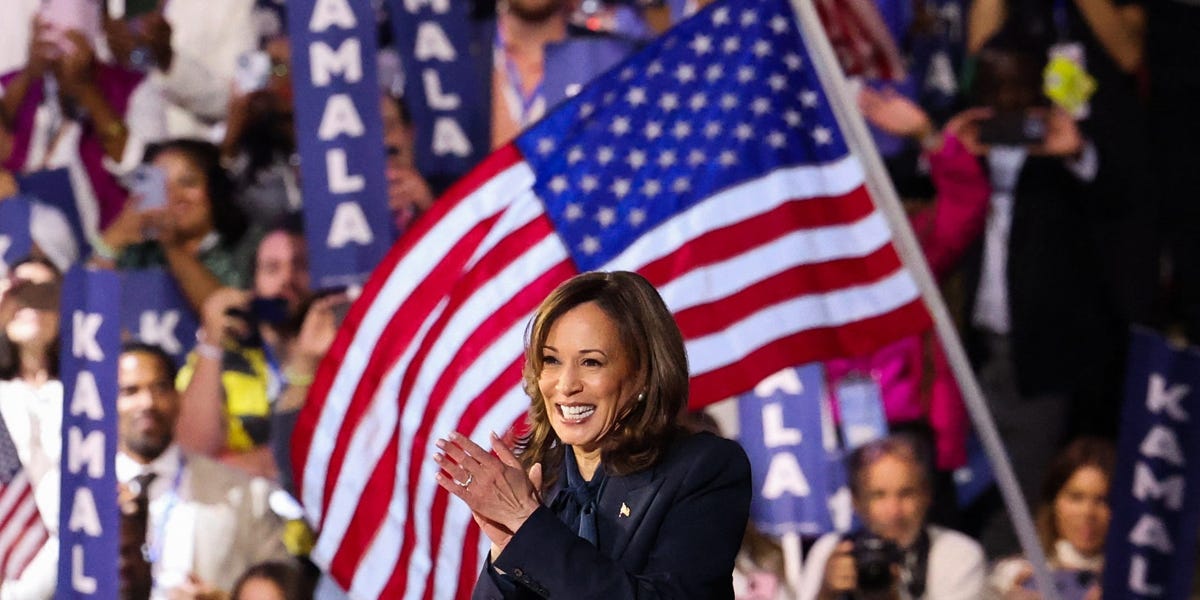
[[670, 531]]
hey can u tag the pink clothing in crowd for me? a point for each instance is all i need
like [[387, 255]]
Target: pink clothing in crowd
[[117, 85], [915, 379]]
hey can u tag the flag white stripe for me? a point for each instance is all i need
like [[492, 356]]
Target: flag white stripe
[[12, 493], [451, 552], [366, 446], [480, 306], [416, 265], [807, 246], [800, 314], [16, 525], [23, 552], [729, 206]]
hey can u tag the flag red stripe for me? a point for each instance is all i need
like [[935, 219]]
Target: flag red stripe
[[494, 164], [484, 336], [698, 321], [370, 512], [789, 217], [806, 346], [399, 333]]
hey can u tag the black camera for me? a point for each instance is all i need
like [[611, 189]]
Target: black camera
[[874, 558]]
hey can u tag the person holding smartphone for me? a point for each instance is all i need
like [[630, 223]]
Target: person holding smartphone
[[101, 115], [189, 48], [257, 353], [198, 234], [1039, 321], [1072, 520]]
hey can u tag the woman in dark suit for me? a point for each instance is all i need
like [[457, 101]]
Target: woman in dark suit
[[607, 496]]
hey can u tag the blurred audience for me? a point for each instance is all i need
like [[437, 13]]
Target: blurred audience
[[273, 580], [1035, 294], [67, 108], [1101, 42], [257, 353], [409, 194], [259, 147], [207, 522], [190, 48], [200, 235], [31, 403], [1072, 522], [539, 59], [896, 553]]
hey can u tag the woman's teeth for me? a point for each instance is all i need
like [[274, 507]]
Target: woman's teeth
[[578, 412]]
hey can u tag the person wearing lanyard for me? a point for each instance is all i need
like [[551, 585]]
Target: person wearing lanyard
[[235, 374], [539, 58], [207, 523]]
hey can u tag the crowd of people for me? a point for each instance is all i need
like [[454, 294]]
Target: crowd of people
[[1054, 218]]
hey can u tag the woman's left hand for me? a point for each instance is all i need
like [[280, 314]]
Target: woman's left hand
[[496, 488]]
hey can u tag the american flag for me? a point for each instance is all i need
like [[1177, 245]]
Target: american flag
[[22, 532], [711, 163]]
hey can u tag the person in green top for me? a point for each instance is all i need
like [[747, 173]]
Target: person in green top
[[200, 235]]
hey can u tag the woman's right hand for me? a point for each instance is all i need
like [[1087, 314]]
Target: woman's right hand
[[499, 492], [965, 128], [216, 322], [130, 226]]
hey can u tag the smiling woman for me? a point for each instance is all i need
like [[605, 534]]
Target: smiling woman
[[198, 234], [601, 498], [1072, 519]]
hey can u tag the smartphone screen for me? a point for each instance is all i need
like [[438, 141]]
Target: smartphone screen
[[271, 311], [149, 184], [252, 71], [1013, 129]]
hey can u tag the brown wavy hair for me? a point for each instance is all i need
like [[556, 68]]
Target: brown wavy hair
[[1083, 452], [649, 335]]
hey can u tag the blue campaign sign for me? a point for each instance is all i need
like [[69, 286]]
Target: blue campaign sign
[[154, 311], [53, 187], [339, 132], [88, 521], [447, 58], [1151, 547], [781, 429], [15, 242]]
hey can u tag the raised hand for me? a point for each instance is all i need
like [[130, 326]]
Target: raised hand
[[75, 68], [499, 492], [893, 113], [1063, 137], [965, 128], [218, 325]]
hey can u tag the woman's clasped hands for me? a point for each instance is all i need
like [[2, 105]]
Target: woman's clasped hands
[[499, 492]]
